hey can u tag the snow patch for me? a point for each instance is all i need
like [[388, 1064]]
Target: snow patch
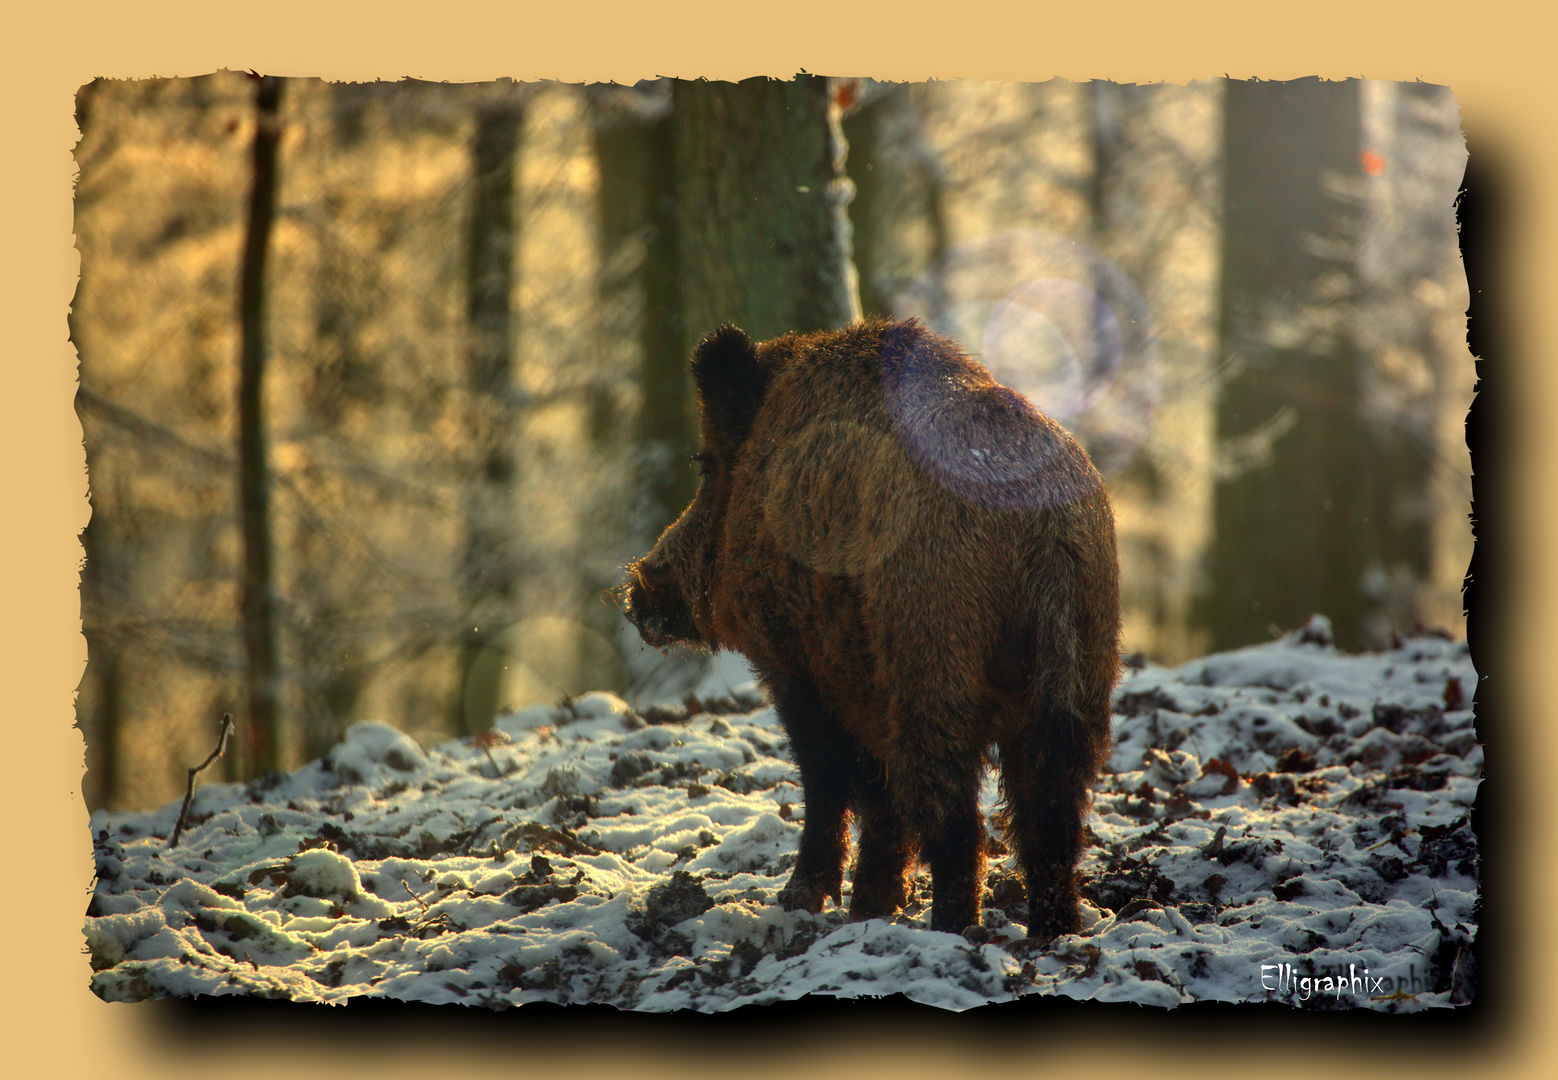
[[1283, 822]]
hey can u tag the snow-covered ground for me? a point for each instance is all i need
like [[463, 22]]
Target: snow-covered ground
[[1283, 822]]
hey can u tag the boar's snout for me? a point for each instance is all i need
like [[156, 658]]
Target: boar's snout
[[657, 606]]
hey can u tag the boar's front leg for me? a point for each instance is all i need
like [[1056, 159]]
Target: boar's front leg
[[827, 759]]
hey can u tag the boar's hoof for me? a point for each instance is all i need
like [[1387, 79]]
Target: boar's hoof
[[954, 923], [876, 899], [1047, 924], [808, 894]]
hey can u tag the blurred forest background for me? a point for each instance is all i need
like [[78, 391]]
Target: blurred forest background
[[382, 384]]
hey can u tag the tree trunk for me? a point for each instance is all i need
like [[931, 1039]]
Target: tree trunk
[[761, 197], [872, 203], [1411, 241], [100, 705], [638, 200], [264, 742], [490, 574], [1292, 513]]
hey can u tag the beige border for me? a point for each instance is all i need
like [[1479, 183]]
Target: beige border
[[1496, 58]]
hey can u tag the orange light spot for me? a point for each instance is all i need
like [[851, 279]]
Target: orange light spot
[[1373, 164]]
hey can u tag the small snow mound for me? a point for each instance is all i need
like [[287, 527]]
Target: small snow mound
[[188, 895], [112, 938], [1171, 767], [765, 828], [598, 703], [370, 747], [529, 719], [323, 873], [1317, 631], [749, 694]]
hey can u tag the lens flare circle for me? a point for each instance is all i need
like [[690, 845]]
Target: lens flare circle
[[1056, 321], [1058, 342]]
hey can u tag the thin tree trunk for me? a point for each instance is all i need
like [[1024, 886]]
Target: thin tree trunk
[[490, 575], [638, 200], [899, 231], [868, 209], [104, 723], [264, 739], [667, 419]]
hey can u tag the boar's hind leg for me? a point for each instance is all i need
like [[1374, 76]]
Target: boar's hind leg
[[828, 759], [1045, 772], [936, 787], [885, 848]]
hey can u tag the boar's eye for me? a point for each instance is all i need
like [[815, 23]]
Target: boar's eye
[[705, 462]]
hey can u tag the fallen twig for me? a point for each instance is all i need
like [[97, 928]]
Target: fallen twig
[[189, 794]]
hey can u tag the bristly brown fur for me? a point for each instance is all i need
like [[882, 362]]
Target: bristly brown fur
[[920, 566]]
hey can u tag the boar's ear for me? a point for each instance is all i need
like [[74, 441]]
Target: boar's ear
[[731, 382]]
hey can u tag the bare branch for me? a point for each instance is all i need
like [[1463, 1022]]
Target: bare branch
[[189, 793]]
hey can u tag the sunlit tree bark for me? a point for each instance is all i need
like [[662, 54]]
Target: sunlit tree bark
[[639, 238], [264, 742], [1291, 508], [490, 576], [763, 236]]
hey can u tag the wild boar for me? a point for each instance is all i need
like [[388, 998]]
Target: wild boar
[[921, 568]]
